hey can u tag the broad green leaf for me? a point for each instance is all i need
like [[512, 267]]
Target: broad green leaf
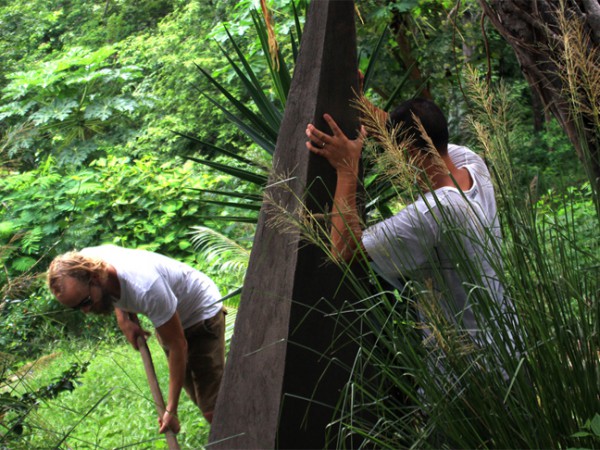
[[595, 425], [59, 110], [16, 109]]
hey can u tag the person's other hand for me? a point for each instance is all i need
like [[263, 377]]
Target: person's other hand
[[168, 422], [132, 331]]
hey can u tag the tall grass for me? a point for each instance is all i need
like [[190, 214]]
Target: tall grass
[[534, 381], [579, 66], [529, 378]]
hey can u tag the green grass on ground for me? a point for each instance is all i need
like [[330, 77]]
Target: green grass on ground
[[111, 407]]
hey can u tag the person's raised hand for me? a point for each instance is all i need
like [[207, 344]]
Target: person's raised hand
[[341, 152]]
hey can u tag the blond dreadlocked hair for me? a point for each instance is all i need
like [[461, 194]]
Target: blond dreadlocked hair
[[74, 265]]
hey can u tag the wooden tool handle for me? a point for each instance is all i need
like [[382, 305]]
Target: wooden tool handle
[[155, 388]]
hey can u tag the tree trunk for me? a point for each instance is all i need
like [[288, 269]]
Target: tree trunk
[[401, 29], [537, 31]]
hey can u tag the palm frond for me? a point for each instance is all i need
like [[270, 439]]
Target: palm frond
[[241, 174], [280, 73], [374, 58], [242, 195], [247, 121], [217, 149], [219, 251]]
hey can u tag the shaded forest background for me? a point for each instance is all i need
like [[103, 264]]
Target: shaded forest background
[[112, 132]]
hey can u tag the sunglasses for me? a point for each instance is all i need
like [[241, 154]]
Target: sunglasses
[[87, 301]]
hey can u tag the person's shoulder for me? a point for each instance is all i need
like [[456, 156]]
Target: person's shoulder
[[457, 150], [463, 156]]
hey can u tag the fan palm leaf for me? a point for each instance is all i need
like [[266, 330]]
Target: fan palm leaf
[[222, 253]]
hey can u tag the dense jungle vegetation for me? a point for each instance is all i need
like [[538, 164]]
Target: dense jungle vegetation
[[152, 124]]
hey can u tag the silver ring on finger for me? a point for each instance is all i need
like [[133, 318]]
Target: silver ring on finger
[[322, 144]]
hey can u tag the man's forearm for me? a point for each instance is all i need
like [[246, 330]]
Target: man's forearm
[[123, 318], [177, 366], [346, 229]]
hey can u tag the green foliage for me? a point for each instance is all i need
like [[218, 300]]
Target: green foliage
[[20, 324], [128, 17], [169, 55], [572, 213], [42, 27], [444, 392], [18, 407], [138, 203], [591, 429], [64, 105], [91, 415]]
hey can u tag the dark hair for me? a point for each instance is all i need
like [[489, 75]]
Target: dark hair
[[432, 118]]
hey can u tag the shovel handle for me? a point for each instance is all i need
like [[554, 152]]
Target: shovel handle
[[155, 388]]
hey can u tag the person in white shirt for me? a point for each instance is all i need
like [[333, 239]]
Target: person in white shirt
[[429, 240], [182, 303]]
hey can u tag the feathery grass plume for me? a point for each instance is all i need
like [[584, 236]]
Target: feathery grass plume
[[284, 209], [492, 124], [552, 274], [440, 334], [580, 64], [579, 67], [288, 213]]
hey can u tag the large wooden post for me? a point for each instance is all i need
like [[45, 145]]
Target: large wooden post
[[283, 376]]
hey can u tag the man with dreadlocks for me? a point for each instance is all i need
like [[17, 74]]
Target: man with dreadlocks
[[182, 303]]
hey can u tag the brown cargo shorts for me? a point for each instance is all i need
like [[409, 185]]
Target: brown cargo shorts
[[206, 360]]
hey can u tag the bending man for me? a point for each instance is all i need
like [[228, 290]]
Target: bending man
[[181, 302]]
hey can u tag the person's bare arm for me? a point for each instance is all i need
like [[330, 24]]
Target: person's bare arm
[[130, 326], [373, 110], [344, 156], [172, 337]]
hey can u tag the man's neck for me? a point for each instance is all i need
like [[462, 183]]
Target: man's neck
[[451, 177]]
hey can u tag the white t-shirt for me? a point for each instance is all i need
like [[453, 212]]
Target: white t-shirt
[[157, 286], [427, 239]]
